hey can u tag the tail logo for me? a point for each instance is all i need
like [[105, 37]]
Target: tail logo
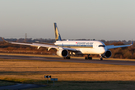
[[57, 34]]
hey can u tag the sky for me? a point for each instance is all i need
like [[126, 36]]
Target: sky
[[76, 19]]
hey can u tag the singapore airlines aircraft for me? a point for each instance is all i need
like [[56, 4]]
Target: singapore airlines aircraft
[[66, 48]]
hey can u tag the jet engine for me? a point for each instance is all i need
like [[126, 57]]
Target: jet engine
[[62, 53], [107, 54]]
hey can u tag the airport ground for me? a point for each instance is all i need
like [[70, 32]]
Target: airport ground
[[73, 74]]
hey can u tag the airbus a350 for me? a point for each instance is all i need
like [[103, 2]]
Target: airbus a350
[[66, 48]]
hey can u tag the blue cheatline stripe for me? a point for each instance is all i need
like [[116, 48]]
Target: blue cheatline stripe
[[79, 46]]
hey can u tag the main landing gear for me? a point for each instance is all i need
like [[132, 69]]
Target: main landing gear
[[88, 58], [66, 57]]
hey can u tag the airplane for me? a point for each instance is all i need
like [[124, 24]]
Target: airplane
[[67, 48]]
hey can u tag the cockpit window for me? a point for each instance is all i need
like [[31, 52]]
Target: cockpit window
[[101, 46]]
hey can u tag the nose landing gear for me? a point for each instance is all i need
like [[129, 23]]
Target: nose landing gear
[[101, 58]]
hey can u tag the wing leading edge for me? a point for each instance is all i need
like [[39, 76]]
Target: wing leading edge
[[46, 45], [119, 46]]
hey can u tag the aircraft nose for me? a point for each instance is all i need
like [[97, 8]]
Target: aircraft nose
[[102, 50]]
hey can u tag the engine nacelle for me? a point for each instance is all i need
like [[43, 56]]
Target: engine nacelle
[[107, 54], [62, 53]]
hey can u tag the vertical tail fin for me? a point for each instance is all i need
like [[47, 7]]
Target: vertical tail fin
[[57, 34]]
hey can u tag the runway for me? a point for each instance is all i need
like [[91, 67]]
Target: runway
[[56, 59]]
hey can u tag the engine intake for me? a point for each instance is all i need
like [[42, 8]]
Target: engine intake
[[107, 54], [62, 53]]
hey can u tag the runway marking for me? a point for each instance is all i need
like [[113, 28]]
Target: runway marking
[[114, 62]]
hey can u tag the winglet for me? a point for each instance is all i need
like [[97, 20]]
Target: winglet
[[57, 34], [132, 43], [3, 39]]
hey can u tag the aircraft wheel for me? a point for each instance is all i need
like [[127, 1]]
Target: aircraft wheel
[[66, 57], [88, 58], [101, 59]]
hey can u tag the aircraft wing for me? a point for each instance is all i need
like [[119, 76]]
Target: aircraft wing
[[119, 46], [35, 44], [46, 45]]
